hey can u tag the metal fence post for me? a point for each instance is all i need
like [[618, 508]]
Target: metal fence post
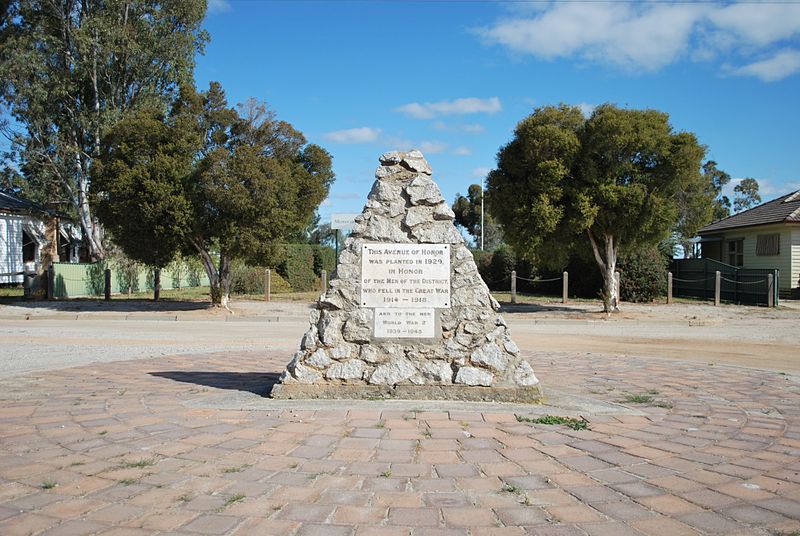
[[669, 288], [513, 286], [267, 284], [51, 282], [565, 288], [156, 284], [770, 290], [324, 280], [717, 287], [108, 284]]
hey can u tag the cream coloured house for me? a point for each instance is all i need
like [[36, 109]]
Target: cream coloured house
[[766, 236]]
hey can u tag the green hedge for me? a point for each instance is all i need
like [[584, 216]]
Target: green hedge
[[303, 265]]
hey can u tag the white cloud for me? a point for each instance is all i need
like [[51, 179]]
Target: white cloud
[[218, 6], [474, 128], [480, 172], [432, 147], [648, 36], [469, 105], [462, 151], [778, 67], [353, 135]]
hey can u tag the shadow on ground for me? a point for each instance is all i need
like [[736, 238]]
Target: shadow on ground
[[511, 308], [89, 305], [259, 383]]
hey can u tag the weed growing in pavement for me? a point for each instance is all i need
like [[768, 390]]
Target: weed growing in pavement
[[570, 422], [511, 488], [386, 474], [49, 484], [139, 464], [638, 399], [128, 481], [237, 468], [234, 499]]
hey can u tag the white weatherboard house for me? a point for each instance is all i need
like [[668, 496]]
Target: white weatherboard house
[[766, 236], [23, 238]]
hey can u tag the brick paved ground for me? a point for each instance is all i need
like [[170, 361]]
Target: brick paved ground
[[130, 449]]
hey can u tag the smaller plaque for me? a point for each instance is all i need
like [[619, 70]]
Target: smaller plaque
[[405, 323]]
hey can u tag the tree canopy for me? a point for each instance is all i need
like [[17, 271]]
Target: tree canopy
[[222, 182], [70, 69], [746, 195], [607, 182]]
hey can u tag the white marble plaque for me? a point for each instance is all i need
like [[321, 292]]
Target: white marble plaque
[[405, 275], [405, 323]]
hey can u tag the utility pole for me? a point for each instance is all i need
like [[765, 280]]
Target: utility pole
[[483, 190]]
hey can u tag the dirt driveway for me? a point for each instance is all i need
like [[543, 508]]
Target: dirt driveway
[[52, 335]]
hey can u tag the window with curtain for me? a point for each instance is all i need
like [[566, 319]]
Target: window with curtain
[[768, 244]]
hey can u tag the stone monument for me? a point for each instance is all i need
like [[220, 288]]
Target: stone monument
[[406, 315]]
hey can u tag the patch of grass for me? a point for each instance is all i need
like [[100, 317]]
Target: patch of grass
[[638, 399], [138, 464], [128, 481], [234, 499], [236, 469], [49, 484], [570, 422], [511, 488]]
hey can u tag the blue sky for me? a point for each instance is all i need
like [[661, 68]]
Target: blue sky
[[453, 78]]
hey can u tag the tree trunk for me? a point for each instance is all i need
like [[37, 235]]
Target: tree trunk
[[607, 261], [224, 280], [218, 278]]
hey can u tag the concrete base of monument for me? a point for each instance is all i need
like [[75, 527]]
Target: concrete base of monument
[[519, 395]]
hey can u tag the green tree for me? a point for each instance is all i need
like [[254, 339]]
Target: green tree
[[468, 215], [746, 195], [140, 180], [70, 69], [718, 179], [227, 184], [610, 180]]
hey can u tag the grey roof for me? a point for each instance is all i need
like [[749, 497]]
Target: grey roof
[[785, 209], [10, 203]]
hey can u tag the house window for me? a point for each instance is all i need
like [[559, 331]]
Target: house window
[[768, 244], [736, 252], [28, 247]]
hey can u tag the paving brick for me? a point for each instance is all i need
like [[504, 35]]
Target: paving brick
[[414, 517], [522, 516]]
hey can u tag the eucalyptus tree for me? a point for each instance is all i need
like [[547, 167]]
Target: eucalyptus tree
[[70, 69], [609, 181]]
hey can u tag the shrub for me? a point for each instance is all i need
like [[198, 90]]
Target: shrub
[[643, 275], [250, 280]]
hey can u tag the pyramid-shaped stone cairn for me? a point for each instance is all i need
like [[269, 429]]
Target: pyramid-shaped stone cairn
[[406, 314]]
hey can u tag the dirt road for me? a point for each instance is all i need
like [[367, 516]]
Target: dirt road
[[43, 336]]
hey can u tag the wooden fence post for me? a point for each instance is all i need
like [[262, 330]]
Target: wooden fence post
[[770, 290], [324, 280], [51, 282], [565, 288], [513, 286], [669, 288], [267, 284], [108, 284], [156, 284], [717, 288]]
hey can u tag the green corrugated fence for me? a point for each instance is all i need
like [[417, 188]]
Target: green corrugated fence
[[73, 280]]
